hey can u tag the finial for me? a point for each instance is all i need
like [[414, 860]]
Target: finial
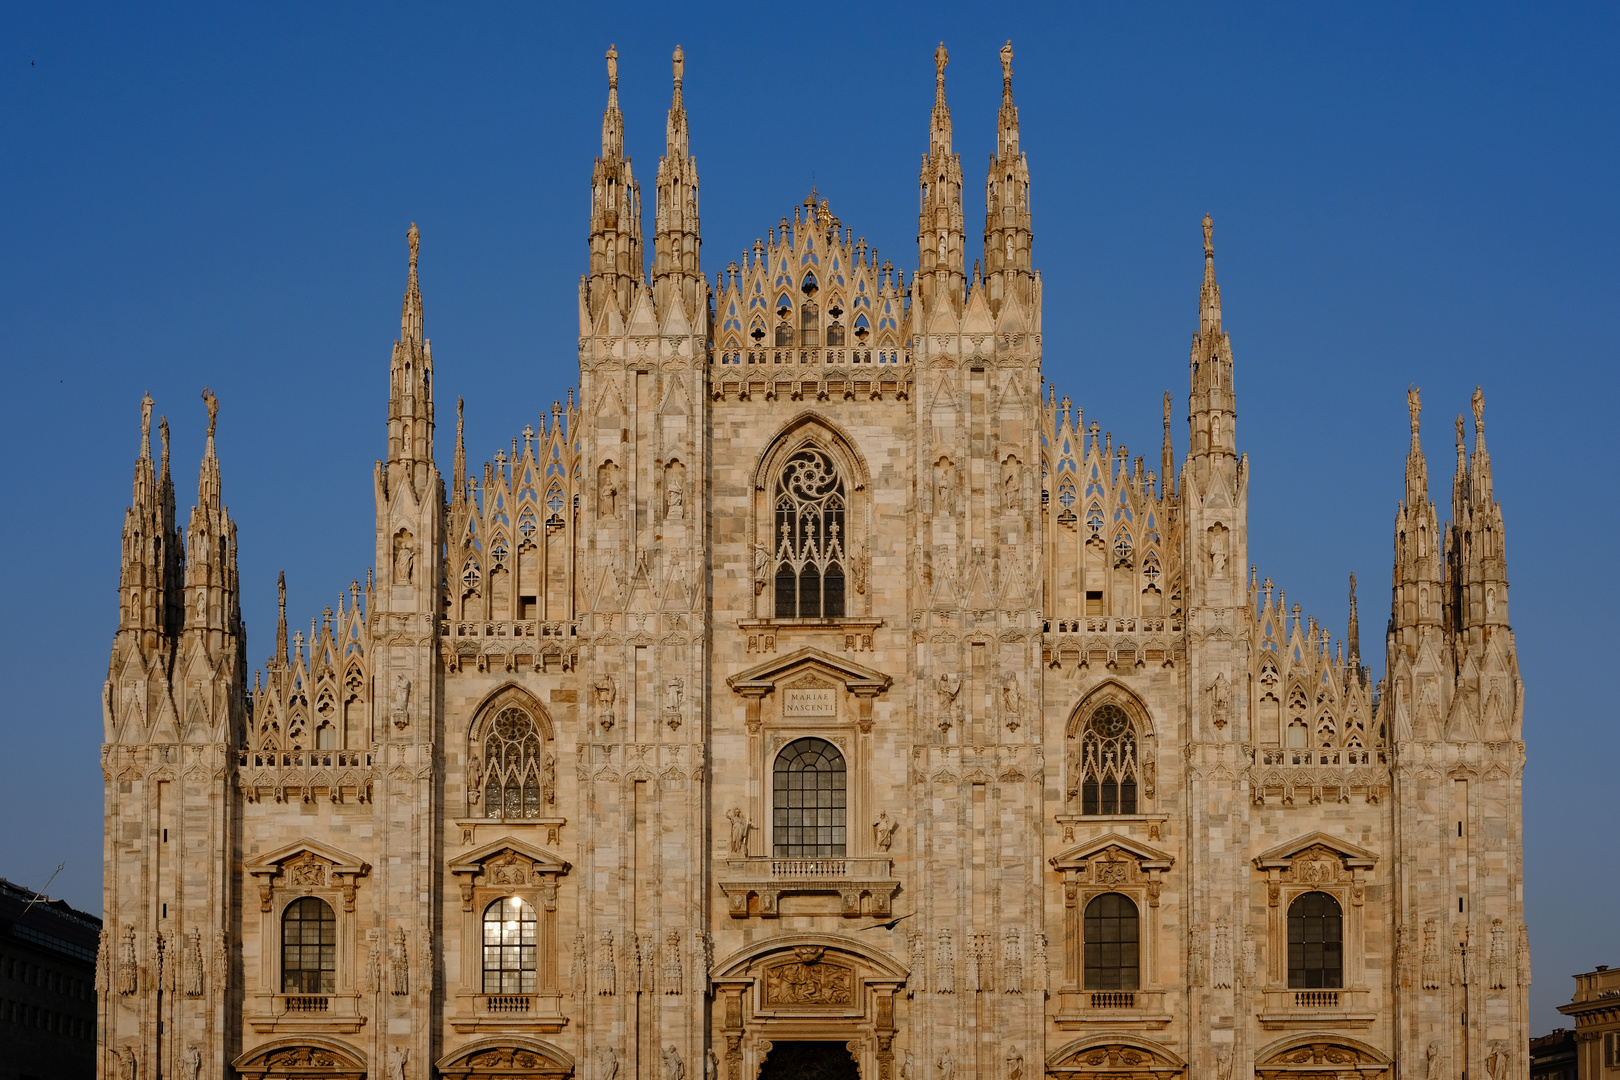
[[1460, 425], [613, 68], [1167, 409], [146, 425], [1209, 237], [1479, 411], [1414, 406], [163, 439], [1352, 589], [213, 409], [941, 58], [281, 593], [459, 405], [413, 238], [1006, 63], [680, 65]]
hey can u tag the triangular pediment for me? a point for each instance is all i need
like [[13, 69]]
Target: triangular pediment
[[1283, 855], [509, 849], [763, 678], [342, 862], [1149, 857]]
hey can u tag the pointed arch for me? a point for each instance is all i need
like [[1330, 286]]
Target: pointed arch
[[509, 695], [1112, 692], [807, 427]]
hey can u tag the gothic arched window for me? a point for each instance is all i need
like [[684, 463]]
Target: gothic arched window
[[308, 947], [1112, 937], [1108, 764], [809, 324], [515, 767], [809, 800], [810, 521], [511, 958], [1315, 942]]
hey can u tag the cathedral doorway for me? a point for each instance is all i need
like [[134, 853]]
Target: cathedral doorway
[[809, 1061]]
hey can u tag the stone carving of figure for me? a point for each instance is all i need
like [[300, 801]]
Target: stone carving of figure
[[1490, 600], [674, 1067], [905, 1066], [1223, 1063], [607, 1062], [675, 500], [883, 830], [191, 1063], [1006, 62], [1010, 698], [128, 1069], [398, 1059], [945, 485], [1431, 1064], [399, 968], [1015, 1060], [404, 558], [739, 830], [605, 692], [1220, 701], [192, 964], [950, 684], [1496, 1061], [672, 700], [711, 1065], [1217, 550], [1414, 406], [399, 699], [946, 1066], [762, 559], [860, 571]]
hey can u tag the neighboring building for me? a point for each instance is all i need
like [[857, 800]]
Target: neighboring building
[[1596, 1010], [817, 680], [47, 987], [1552, 1057]]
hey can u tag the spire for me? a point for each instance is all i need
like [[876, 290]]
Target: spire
[[676, 239], [279, 660], [1478, 556], [1167, 455], [1007, 233], [940, 226], [410, 385], [410, 312], [615, 240], [142, 577], [458, 467], [211, 596], [1419, 603], [1212, 412], [1353, 636]]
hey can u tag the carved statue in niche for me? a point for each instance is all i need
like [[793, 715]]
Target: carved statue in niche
[[1015, 1064], [674, 1067], [399, 968], [1220, 701], [950, 685], [605, 692], [946, 482], [675, 490], [607, 1060], [191, 1064], [858, 569], [673, 690], [128, 1068], [711, 1065], [192, 964], [762, 561], [739, 830], [404, 557], [1497, 1060], [946, 1066], [1431, 1065], [883, 830], [399, 697], [398, 1061], [1012, 484], [607, 490], [1218, 550], [1011, 700]]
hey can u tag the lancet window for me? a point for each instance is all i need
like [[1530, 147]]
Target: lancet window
[[810, 522], [517, 770], [1108, 763]]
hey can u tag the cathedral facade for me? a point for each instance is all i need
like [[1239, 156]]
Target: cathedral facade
[[816, 694]]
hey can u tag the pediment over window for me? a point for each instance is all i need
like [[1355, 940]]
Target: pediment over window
[[764, 678], [1112, 847], [509, 863], [1314, 1056], [308, 852], [1137, 1059], [1314, 849]]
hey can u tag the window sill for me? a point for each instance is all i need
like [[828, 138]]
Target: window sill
[[540, 1012], [330, 1013], [754, 886], [1118, 1008], [1304, 1008]]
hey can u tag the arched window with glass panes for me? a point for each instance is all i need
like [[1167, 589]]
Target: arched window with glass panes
[[1112, 935], [1315, 942], [809, 801], [308, 947], [811, 509], [1108, 762], [511, 947], [516, 767]]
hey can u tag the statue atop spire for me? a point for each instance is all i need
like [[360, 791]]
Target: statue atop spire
[[1414, 406], [1479, 410], [213, 411], [613, 70], [146, 426], [410, 316], [1209, 237], [941, 58], [680, 67], [1006, 65]]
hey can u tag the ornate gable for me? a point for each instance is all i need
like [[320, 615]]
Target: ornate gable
[[308, 864]]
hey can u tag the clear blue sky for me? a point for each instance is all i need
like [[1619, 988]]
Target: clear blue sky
[[219, 194]]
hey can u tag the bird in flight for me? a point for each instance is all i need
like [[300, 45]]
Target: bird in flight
[[891, 923]]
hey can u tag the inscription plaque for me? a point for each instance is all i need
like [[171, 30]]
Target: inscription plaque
[[810, 702]]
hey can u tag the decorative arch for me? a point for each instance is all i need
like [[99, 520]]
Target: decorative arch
[[1318, 1054], [811, 426], [507, 1056], [304, 1057], [506, 696], [1112, 692], [1119, 1056], [745, 960]]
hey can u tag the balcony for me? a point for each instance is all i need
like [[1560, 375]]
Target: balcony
[[541, 1012], [754, 887], [1300, 1008], [309, 1013], [1129, 1008]]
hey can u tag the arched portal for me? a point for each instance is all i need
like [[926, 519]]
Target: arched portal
[[809, 1061]]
